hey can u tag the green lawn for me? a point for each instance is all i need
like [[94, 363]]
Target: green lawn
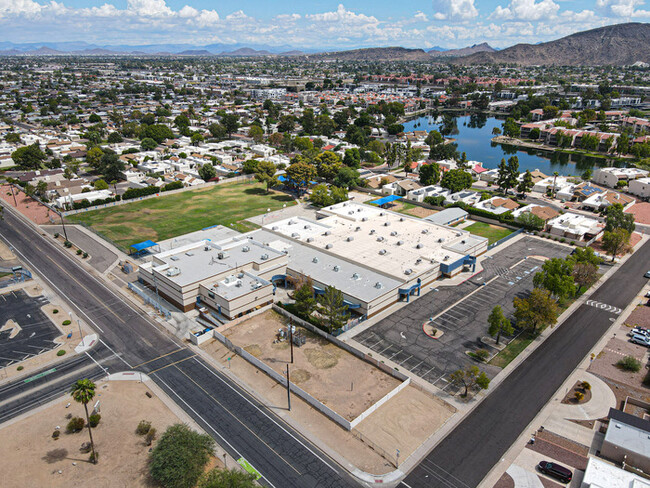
[[512, 350], [492, 232], [173, 215]]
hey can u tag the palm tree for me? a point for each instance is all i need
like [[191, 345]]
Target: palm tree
[[83, 391], [555, 175]]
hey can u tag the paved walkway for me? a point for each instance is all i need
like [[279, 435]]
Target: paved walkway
[[101, 257], [524, 478]]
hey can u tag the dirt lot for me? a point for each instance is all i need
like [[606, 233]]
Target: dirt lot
[[338, 379], [640, 316], [58, 463], [30, 208]]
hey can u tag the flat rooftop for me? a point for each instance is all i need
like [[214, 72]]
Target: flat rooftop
[[237, 285], [600, 474], [398, 245]]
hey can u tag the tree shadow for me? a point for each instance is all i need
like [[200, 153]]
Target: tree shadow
[[255, 191], [55, 455]]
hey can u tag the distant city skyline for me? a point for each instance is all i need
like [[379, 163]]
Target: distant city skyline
[[314, 25]]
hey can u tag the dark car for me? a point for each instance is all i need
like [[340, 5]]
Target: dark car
[[556, 471]]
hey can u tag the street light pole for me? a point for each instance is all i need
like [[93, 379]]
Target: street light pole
[[63, 225], [288, 390]]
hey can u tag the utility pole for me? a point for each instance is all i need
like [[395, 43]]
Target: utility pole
[[291, 339], [63, 225], [14, 195], [288, 390]]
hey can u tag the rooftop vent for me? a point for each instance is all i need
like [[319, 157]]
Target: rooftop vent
[[401, 219], [394, 233], [386, 224], [245, 248], [292, 222], [380, 239], [315, 260], [351, 212], [356, 276], [378, 285], [174, 258], [418, 246], [173, 271], [240, 275], [189, 253], [372, 231], [222, 255], [399, 243], [408, 271], [463, 242], [357, 229], [337, 268], [425, 231], [310, 239], [275, 227], [442, 239], [381, 214], [418, 261], [446, 258], [264, 257], [350, 239], [238, 284], [295, 235], [206, 248], [328, 232], [382, 252], [307, 226], [364, 219], [329, 246]]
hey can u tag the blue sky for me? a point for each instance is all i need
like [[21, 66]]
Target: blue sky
[[316, 24]]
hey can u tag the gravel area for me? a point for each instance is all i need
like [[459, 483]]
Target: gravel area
[[568, 444], [561, 454], [616, 349], [641, 212], [30, 208], [640, 316]]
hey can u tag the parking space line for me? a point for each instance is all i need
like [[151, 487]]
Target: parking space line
[[418, 364], [405, 360], [395, 354]]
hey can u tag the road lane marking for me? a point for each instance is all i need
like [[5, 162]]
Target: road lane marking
[[159, 357], [172, 364]]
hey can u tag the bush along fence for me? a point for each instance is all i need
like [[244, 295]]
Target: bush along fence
[[145, 193], [314, 402]]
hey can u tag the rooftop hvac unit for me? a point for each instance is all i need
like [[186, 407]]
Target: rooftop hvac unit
[[408, 271], [264, 257], [382, 252], [386, 224], [356, 276], [238, 284], [295, 235], [292, 222], [337, 268], [364, 219], [222, 255], [174, 258], [357, 229], [399, 243], [173, 271], [189, 253], [329, 246], [351, 212], [275, 227], [446, 258], [307, 227], [401, 219], [394, 233], [418, 246], [315, 260], [442, 239], [310, 239], [328, 232], [418, 261], [380, 239], [425, 231], [372, 231], [240, 275], [381, 214], [206, 248], [245, 248], [350, 239], [256, 285], [378, 285]]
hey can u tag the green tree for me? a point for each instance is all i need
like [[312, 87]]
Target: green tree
[[328, 165], [300, 174], [287, 124], [250, 166], [616, 218], [333, 310], [499, 324], [218, 131], [304, 299], [148, 144], [256, 133], [456, 180], [230, 123], [468, 378], [531, 221], [94, 156], [207, 172], [28, 157], [537, 310], [429, 173], [266, 174], [83, 391], [111, 167], [352, 158], [585, 275], [585, 255], [100, 185], [179, 458], [511, 128], [526, 184], [320, 196], [339, 194], [434, 138], [226, 478], [196, 138], [325, 126], [616, 242], [347, 178], [115, 137], [556, 276]]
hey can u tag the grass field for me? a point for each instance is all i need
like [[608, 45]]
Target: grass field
[[173, 215], [492, 232]]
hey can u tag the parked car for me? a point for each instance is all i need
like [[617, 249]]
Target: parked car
[[647, 275], [642, 340], [555, 470], [640, 330]]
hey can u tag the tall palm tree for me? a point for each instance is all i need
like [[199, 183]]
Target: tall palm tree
[[555, 175], [83, 391]]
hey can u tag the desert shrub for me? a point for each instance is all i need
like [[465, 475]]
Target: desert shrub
[[66, 322], [85, 255], [94, 456], [579, 395], [482, 354], [94, 419], [67, 244], [56, 235], [56, 310], [585, 386], [143, 427], [629, 363], [20, 368], [56, 434], [75, 424], [79, 252], [151, 435], [61, 352]]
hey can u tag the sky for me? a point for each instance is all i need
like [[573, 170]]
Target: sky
[[319, 24]]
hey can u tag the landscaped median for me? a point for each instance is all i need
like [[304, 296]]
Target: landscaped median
[[173, 215]]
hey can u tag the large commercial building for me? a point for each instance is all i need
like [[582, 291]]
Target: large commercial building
[[374, 257]]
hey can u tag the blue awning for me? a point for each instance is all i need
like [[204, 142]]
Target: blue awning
[[385, 200], [143, 245]]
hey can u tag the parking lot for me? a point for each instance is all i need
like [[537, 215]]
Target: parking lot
[[460, 312], [36, 334]]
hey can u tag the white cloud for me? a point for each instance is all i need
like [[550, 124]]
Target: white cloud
[[421, 17], [622, 8], [454, 9], [526, 10], [188, 12], [19, 7], [342, 15], [149, 8]]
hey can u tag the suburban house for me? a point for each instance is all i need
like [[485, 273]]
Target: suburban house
[[640, 187], [575, 227], [611, 176]]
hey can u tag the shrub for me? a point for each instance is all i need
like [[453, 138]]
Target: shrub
[[578, 395], [79, 251], [85, 255], [94, 419], [56, 235], [143, 427], [573, 243], [180, 456], [67, 244], [66, 322], [56, 434], [76, 424], [61, 352], [94, 456], [629, 363], [482, 354], [562, 239], [20, 368], [585, 386], [151, 435], [56, 310]]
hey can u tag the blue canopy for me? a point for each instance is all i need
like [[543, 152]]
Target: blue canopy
[[143, 245], [385, 200]]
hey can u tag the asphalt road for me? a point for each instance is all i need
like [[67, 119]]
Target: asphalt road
[[243, 426], [466, 456]]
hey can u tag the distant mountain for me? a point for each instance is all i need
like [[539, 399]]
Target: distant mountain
[[622, 44], [437, 49], [292, 53], [195, 52], [246, 51], [377, 54], [465, 51]]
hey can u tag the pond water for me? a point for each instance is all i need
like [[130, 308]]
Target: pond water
[[473, 134]]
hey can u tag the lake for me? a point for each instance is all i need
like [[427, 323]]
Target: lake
[[473, 134]]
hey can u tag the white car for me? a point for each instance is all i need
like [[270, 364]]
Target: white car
[[641, 340]]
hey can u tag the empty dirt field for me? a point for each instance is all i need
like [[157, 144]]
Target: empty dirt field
[[340, 380], [32, 458]]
